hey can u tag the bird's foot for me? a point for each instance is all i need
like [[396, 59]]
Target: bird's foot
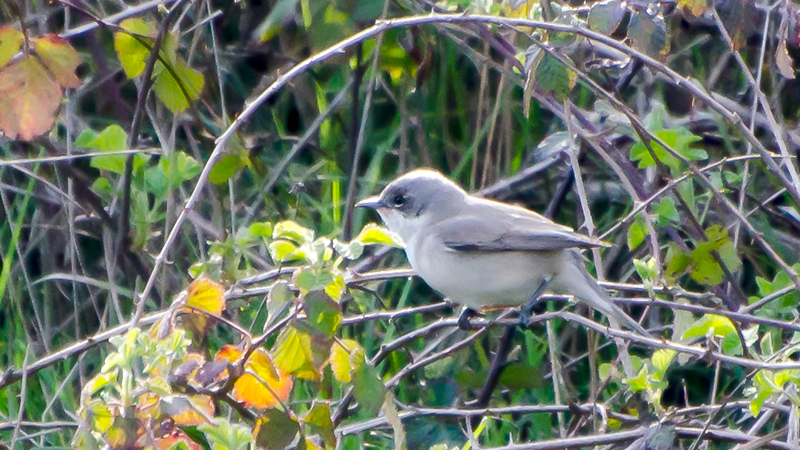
[[526, 311], [463, 318]]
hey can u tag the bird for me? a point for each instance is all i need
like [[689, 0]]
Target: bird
[[486, 254]]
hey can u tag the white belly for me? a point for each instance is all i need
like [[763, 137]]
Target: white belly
[[478, 279]]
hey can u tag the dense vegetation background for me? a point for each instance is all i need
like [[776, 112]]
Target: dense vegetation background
[[147, 144]]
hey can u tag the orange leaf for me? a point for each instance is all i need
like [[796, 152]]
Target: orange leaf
[[60, 59], [29, 98], [206, 295], [251, 390]]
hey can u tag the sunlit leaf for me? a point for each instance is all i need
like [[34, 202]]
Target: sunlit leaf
[[291, 230], [309, 279], [132, 54], [206, 295], [661, 359], [294, 354], [637, 232], [710, 323], [376, 234], [346, 354], [266, 387]]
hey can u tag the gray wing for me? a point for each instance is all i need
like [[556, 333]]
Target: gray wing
[[498, 227]]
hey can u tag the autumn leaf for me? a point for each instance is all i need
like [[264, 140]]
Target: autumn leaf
[[30, 90], [264, 385], [206, 295], [28, 100], [60, 59]]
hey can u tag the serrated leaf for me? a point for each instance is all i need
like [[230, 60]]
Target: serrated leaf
[[275, 429], [10, 41], [605, 17], [29, 98], [206, 295], [346, 354]]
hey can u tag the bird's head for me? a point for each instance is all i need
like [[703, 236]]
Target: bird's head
[[421, 197]]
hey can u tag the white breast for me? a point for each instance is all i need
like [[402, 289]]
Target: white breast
[[478, 279]]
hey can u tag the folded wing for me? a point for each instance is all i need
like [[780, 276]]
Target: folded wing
[[498, 227]]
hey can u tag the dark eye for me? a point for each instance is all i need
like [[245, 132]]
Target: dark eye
[[399, 200]]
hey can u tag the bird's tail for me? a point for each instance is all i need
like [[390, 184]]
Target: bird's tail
[[585, 288]]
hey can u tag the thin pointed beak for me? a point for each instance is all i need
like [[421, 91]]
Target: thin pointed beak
[[372, 202]]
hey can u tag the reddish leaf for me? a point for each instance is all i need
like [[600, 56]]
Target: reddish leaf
[[60, 59], [29, 98]]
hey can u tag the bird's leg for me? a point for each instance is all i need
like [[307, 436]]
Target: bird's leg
[[527, 309], [463, 318]]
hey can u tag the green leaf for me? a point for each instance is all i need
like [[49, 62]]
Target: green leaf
[[346, 354], [554, 78], [223, 435], [706, 269], [639, 382], [167, 85], [312, 279], [262, 229], [376, 234], [225, 168], [677, 261], [282, 251], [667, 212], [282, 12], [661, 360], [637, 233], [318, 420], [351, 250], [719, 326], [275, 429], [297, 353], [648, 34], [605, 17], [291, 230], [732, 345], [131, 53], [323, 313], [368, 388]]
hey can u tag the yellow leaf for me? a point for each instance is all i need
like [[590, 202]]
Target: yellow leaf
[[344, 353], [267, 388], [206, 295], [60, 58], [10, 40]]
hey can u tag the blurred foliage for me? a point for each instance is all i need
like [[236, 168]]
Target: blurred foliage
[[272, 323]]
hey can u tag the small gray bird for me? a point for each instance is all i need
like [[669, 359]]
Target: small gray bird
[[482, 253]]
